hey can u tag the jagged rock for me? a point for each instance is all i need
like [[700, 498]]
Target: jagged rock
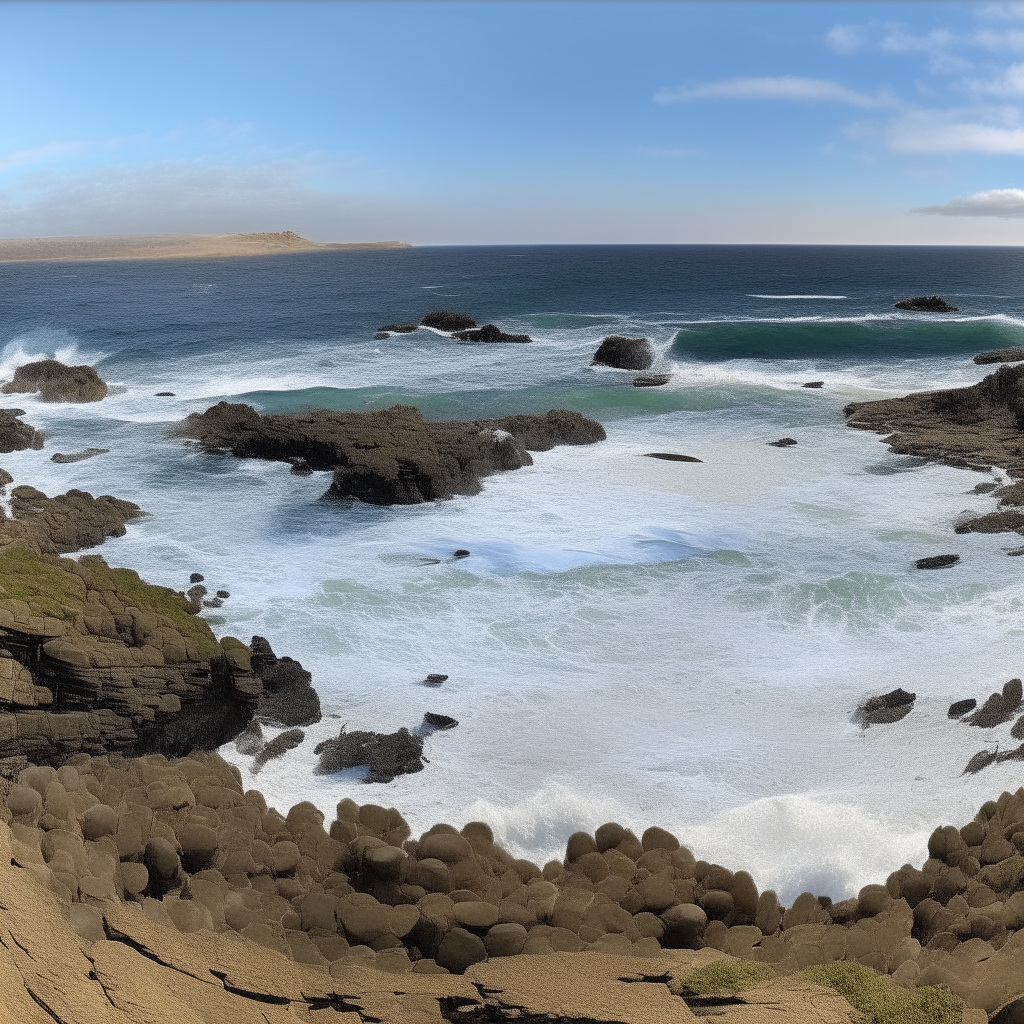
[[671, 457], [959, 708], [783, 442], [287, 696], [16, 436], [444, 320], [386, 754], [927, 304], [56, 382], [887, 708], [492, 334], [1000, 707], [651, 380], [279, 745], [439, 721], [86, 453], [937, 561], [1000, 355], [624, 353], [393, 456]]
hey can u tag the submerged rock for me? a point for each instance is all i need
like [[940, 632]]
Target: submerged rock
[[56, 382], [624, 353], [461, 553], [381, 336], [937, 561], [887, 708], [985, 488], [250, 740], [436, 679], [400, 328], [16, 436], [927, 304], [1000, 707], [445, 320], [1000, 355], [783, 442], [492, 334], [440, 721], [393, 456], [982, 759], [813, 384], [387, 754], [86, 453], [165, 394], [279, 745], [651, 380], [959, 708], [671, 457]]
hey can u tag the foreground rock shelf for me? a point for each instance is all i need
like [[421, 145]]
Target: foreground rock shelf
[[227, 899]]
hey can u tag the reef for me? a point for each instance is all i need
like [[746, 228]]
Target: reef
[[394, 456], [56, 382]]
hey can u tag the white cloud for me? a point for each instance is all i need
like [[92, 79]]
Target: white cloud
[[898, 40], [935, 135], [1009, 83], [780, 87], [1001, 12], [996, 202], [39, 154], [846, 39]]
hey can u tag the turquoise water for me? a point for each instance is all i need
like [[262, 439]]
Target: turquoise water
[[651, 642]]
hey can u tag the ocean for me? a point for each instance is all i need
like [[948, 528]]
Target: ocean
[[634, 640]]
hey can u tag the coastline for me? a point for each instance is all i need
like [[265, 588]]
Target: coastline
[[170, 247]]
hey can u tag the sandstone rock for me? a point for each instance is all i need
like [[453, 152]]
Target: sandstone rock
[[56, 382], [460, 949], [625, 353]]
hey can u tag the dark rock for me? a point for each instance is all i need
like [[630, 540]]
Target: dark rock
[[1000, 355], [165, 394], [927, 304], [999, 708], [980, 760], [984, 488], [399, 328], [223, 595], [86, 453], [288, 696], [196, 577], [461, 553], [56, 382], [887, 708], [1015, 552], [439, 721], [250, 741], [1011, 494], [394, 456], [960, 708], [937, 561], [783, 442], [624, 353], [993, 522], [1017, 732], [381, 336], [651, 380], [276, 747], [213, 602], [197, 593], [443, 320], [813, 384], [492, 334], [436, 679], [300, 467], [386, 754], [16, 436], [5, 479], [671, 457]]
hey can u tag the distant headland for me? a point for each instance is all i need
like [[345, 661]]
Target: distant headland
[[168, 247]]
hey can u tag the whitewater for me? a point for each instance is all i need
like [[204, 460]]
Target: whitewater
[[680, 644]]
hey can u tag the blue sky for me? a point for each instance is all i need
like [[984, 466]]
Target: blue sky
[[516, 122]]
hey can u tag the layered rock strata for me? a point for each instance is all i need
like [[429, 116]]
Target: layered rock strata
[[390, 457], [137, 850], [56, 382]]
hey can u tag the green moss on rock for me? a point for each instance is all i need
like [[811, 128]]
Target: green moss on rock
[[721, 977]]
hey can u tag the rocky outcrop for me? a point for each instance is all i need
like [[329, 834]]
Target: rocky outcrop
[[937, 561], [927, 304], [445, 320], [56, 382], [391, 457], [624, 353], [387, 755], [16, 436], [287, 697], [62, 458], [490, 333], [886, 708], [230, 898], [1000, 355], [975, 427], [398, 328]]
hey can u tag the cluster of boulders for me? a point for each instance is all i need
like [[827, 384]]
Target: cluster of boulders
[[197, 853], [458, 325], [393, 456], [927, 304], [55, 382]]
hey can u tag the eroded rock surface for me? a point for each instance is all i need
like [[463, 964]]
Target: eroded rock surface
[[394, 456], [56, 382], [16, 436]]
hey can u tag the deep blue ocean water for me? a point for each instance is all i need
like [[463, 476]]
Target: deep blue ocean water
[[656, 643]]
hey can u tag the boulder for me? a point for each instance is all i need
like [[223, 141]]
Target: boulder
[[624, 353], [491, 334], [444, 320], [387, 754], [460, 949], [813, 384], [56, 382], [651, 380], [886, 708], [279, 745], [436, 721], [16, 436], [937, 561], [927, 304], [959, 708], [999, 708], [783, 442]]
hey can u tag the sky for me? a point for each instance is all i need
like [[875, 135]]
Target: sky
[[516, 123]]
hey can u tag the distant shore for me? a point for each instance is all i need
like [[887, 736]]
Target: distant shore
[[169, 247]]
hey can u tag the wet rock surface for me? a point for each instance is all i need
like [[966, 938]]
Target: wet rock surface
[[651, 380], [16, 436], [999, 708], [937, 561], [959, 708], [886, 708], [391, 457], [386, 754], [86, 453], [783, 442], [1001, 355], [491, 334], [927, 304], [399, 328], [55, 382], [624, 353], [445, 320], [671, 457]]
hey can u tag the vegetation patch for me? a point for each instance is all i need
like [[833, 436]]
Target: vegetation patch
[[721, 978], [44, 586], [885, 1002]]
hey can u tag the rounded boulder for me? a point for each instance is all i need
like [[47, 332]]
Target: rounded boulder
[[460, 949], [505, 940], [98, 821]]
